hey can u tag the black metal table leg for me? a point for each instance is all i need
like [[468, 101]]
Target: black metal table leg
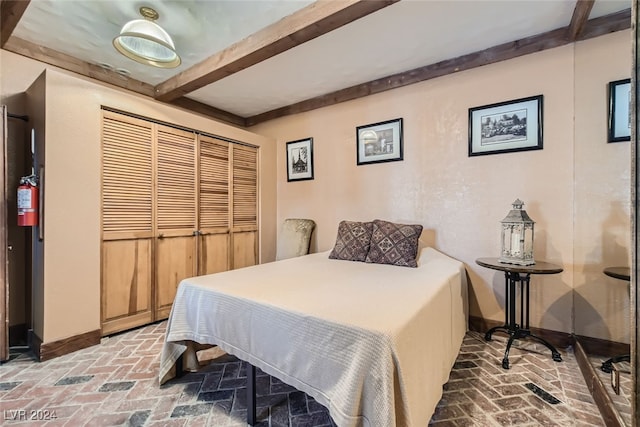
[[251, 394], [514, 276], [489, 333], [511, 326], [607, 366], [555, 354], [179, 367], [505, 359], [505, 327], [621, 273]]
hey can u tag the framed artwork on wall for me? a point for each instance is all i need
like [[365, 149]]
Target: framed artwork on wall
[[300, 160], [620, 110], [379, 142], [506, 127]]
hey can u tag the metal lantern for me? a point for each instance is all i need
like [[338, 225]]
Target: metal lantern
[[517, 236]]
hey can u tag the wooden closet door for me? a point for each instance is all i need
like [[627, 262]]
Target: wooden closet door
[[244, 218], [127, 223], [176, 208], [214, 241]]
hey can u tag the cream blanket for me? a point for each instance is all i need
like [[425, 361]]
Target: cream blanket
[[373, 343]]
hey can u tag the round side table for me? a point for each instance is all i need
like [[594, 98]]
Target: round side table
[[518, 276], [622, 273]]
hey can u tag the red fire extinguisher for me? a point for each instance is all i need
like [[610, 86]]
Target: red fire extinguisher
[[28, 201]]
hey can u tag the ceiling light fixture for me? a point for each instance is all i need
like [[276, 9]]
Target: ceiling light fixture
[[146, 42]]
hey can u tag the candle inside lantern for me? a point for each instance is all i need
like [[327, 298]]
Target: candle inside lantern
[[515, 242]]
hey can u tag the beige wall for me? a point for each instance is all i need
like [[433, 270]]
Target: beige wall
[[576, 188], [460, 200], [602, 192], [72, 187]]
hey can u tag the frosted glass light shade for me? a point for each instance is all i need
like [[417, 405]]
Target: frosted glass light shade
[[146, 42]]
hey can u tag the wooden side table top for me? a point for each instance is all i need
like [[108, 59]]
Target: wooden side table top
[[540, 267], [622, 273]]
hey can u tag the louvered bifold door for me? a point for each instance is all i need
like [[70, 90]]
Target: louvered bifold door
[[176, 209], [214, 239], [127, 223], [244, 218]]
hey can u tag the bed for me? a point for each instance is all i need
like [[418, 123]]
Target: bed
[[373, 343]]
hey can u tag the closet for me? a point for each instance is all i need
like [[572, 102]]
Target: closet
[[175, 204]]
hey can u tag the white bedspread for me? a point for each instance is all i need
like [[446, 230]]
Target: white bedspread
[[373, 343]]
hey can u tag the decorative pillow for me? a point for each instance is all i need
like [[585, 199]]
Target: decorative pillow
[[395, 244], [353, 241]]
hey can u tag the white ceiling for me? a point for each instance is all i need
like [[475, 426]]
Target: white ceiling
[[403, 36], [85, 29]]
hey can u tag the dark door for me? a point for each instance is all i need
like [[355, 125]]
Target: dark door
[[15, 247]]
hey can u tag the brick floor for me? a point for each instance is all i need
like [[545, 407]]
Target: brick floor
[[481, 393], [115, 384], [621, 401]]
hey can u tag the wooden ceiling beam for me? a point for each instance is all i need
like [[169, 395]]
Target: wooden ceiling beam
[[556, 38], [69, 63], [11, 12], [209, 111], [306, 24], [579, 18], [607, 24], [466, 62]]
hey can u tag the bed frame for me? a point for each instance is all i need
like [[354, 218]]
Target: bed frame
[[375, 370]]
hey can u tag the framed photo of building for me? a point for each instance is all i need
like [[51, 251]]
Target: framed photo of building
[[506, 127], [620, 110], [300, 160], [379, 142]]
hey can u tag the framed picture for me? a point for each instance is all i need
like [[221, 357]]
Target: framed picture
[[379, 142], [506, 127], [620, 110], [300, 160]]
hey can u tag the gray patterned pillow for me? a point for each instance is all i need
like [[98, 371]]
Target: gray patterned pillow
[[353, 241], [395, 244]]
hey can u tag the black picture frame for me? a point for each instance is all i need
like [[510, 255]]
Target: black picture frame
[[379, 142], [506, 127], [300, 160], [619, 120]]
